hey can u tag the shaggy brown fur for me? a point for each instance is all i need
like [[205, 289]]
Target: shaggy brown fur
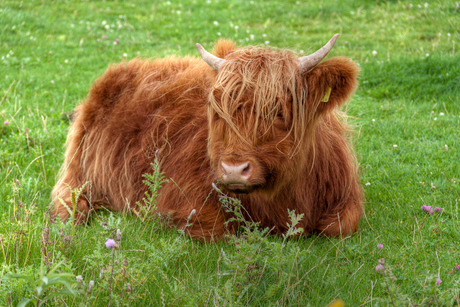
[[258, 109]]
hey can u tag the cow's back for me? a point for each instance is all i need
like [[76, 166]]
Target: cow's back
[[134, 109]]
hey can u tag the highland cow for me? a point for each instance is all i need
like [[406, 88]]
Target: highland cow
[[262, 124]]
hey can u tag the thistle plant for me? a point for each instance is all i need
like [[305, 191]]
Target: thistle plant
[[154, 181]]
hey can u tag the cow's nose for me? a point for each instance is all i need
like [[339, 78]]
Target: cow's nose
[[236, 173]]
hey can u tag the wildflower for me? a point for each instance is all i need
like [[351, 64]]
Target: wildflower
[[368, 183], [446, 147], [98, 40], [374, 53], [125, 55], [379, 268], [79, 278], [192, 213], [90, 286], [104, 36], [118, 235], [110, 243], [457, 266], [427, 208], [116, 42], [18, 183], [5, 122], [437, 210], [380, 246], [395, 146], [267, 42], [216, 23], [438, 281]]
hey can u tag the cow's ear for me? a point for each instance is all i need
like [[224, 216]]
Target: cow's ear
[[331, 83]]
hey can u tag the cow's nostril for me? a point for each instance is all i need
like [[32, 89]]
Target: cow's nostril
[[247, 170]]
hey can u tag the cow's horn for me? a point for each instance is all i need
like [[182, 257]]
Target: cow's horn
[[310, 61], [209, 58]]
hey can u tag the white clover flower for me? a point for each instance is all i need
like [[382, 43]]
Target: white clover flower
[[125, 55], [374, 53], [448, 34], [264, 35], [66, 61], [251, 36], [373, 120], [368, 183], [267, 42], [219, 34], [79, 278], [395, 146], [441, 114], [216, 23]]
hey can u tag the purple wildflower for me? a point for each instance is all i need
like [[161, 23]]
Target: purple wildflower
[[5, 122], [438, 281], [437, 210], [457, 266], [117, 41], [104, 36], [380, 246], [379, 268], [110, 243]]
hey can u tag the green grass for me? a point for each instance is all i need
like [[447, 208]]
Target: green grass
[[409, 96]]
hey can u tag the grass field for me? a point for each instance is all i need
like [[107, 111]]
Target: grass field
[[406, 114]]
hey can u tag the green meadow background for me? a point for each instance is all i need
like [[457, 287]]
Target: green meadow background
[[406, 118]]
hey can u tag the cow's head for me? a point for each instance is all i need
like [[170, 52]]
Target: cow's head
[[263, 108]]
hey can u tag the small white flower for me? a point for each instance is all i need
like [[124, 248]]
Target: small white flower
[[237, 27], [435, 118], [66, 61], [446, 147], [107, 27], [374, 53], [178, 12], [251, 36], [267, 42], [368, 183], [219, 34], [425, 4], [216, 23], [441, 114], [395, 146], [104, 22], [52, 81], [79, 278], [125, 55], [427, 55], [448, 34], [264, 35], [373, 120]]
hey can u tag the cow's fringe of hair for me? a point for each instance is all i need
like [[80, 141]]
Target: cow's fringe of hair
[[268, 92]]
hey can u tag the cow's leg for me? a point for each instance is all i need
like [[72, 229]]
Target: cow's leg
[[342, 222]]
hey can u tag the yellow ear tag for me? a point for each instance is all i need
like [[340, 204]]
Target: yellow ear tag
[[326, 94]]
